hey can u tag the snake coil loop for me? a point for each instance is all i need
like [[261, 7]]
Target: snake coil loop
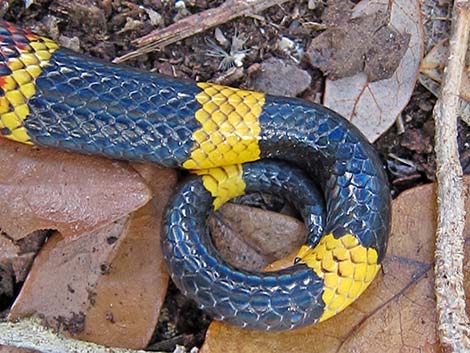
[[55, 98]]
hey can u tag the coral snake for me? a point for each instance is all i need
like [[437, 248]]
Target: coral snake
[[53, 97]]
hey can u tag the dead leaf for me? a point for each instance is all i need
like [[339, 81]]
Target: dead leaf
[[251, 238], [106, 286], [74, 194], [350, 45], [433, 64], [396, 313], [374, 106]]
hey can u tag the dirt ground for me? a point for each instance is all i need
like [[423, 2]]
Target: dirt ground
[[105, 29]]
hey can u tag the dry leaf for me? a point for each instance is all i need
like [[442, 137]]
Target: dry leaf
[[435, 60], [74, 194], [108, 286], [374, 106], [251, 238], [350, 45], [396, 313], [433, 64]]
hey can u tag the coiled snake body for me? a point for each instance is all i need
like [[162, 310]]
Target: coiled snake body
[[53, 97]]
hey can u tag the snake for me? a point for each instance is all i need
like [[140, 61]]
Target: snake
[[233, 141]]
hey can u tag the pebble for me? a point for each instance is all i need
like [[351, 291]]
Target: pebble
[[279, 77]]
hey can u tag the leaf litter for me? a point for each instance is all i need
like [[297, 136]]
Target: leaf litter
[[93, 286]]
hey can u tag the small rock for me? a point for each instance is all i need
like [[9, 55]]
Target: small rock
[[70, 43], [155, 18], [232, 247], [313, 4], [281, 78], [180, 5], [251, 238]]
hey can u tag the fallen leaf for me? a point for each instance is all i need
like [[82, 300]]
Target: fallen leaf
[[74, 194], [434, 63], [350, 45], [374, 106], [106, 286], [396, 313], [251, 238]]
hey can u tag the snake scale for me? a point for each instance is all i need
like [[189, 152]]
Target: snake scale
[[53, 97]]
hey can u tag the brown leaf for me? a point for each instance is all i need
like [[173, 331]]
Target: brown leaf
[[374, 106], [434, 62], [397, 312], [432, 67], [74, 194], [106, 286], [365, 43], [251, 238]]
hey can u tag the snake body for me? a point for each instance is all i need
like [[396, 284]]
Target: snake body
[[53, 97]]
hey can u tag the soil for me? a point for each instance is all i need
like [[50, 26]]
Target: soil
[[105, 29]]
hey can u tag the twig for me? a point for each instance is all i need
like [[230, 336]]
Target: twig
[[30, 334], [195, 24], [453, 323]]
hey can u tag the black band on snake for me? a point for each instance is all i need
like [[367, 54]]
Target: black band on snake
[[53, 97]]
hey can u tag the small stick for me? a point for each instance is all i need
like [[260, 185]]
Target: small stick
[[195, 24], [453, 323]]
